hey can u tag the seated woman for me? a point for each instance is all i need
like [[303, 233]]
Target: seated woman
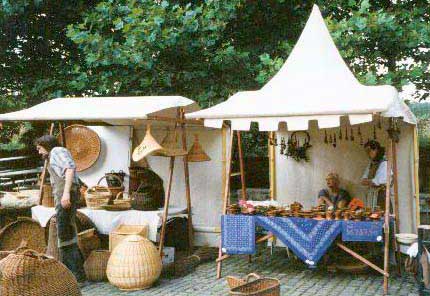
[[333, 196]]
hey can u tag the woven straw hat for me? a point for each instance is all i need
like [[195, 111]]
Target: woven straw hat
[[149, 145], [196, 153], [170, 145]]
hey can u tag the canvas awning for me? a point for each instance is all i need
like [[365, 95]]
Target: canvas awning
[[314, 84], [111, 110]]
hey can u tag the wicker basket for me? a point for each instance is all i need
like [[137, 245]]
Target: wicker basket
[[114, 190], [122, 231], [96, 264], [234, 282], [27, 272], [88, 241], [97, 196], [47, 196], [23, 229], [258, 287], [134, 264]]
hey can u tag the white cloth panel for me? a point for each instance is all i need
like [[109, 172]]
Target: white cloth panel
[[106, 221], [360, 118], [213, 123]]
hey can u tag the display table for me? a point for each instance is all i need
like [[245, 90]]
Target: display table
[[105, 221], [309, 239]]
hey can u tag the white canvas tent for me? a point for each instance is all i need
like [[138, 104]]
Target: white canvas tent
[[315, 84]]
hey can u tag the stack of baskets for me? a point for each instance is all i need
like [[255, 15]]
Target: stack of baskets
[[98, 196]]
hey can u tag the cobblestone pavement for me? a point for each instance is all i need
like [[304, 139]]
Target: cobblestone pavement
[[295, 279]]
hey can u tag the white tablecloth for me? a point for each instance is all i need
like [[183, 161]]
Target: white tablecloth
[[106, 221]]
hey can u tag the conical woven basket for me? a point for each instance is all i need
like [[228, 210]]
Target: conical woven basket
[[28, 273], [96, 264], [134, 264]]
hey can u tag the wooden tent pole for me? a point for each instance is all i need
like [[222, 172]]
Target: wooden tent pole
[[166, 205], [396, 205], [387, 215], [226, 194], [242, 168], [272, 168], [187, 183], [45, 168], [62, 135], [416, 178]]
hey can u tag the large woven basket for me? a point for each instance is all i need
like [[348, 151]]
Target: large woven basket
[[96, 264], [29, 273], [97, 196], [84, 145], [258, 287], [23, 229], [134, 264], [122, 231]]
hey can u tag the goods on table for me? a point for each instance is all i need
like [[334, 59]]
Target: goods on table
[[146, 189], [134, 264], [122, 231], [296, 210], [263, 286], [97, 196], [23, 229], [27, 272], [118, 205], [114, 190], [96, 264]]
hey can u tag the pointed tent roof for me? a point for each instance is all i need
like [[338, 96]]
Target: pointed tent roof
[[314, 84]]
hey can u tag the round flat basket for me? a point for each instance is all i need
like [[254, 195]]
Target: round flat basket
[[23, 229], [84, 145]]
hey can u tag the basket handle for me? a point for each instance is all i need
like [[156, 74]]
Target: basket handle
[[119, 194], [95, 187], [252, 275], [113, 175]]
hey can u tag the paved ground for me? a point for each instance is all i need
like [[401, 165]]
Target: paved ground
[[295, 278]]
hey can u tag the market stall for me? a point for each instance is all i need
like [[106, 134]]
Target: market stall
[[74, 115], [316, 104]]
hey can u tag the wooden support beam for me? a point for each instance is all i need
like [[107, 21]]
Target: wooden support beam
[[387, 215], [176, 120], [45, 168], [416, 179], [226, 195], [362, 259], [241, 165], [187, 184], [396, 206], [272, 167], [166, 205]]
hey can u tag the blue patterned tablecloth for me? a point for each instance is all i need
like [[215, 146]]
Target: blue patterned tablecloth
[[238, 234], [362, 231], [309, 239]]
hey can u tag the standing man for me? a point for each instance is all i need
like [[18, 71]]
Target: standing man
[[64, 182]]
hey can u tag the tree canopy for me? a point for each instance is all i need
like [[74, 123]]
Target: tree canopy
[[204, 50]]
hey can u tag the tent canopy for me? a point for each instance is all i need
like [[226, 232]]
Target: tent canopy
[[111, 110], [314, 84]]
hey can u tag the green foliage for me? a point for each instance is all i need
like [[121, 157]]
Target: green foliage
[[204, 50]]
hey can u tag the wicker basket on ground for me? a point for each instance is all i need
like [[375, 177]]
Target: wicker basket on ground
[[88, 241], [26, 272], [258, 287], [96, 264], [23, 229], [134, 264]]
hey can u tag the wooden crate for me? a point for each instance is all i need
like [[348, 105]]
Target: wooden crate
[[122, 231]]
